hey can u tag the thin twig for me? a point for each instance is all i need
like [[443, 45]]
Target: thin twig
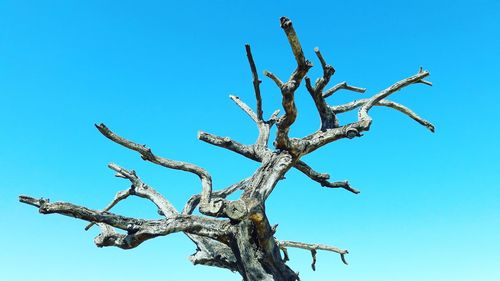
[[345, 86], [256, 82], [245, 108]]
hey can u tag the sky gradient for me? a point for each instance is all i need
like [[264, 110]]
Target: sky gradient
[[158, 71]]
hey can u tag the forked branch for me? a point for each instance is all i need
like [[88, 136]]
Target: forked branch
[[321, 138], [140, 189], [328, 119], [121, 195], [417, 78], [211, 228], [250, 153], [327, 116], [147, 154], [394, 105], [261, 144]]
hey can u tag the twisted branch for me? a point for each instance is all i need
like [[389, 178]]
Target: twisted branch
[[288, 89]]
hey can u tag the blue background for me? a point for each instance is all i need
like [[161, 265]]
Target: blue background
[[158, 71]]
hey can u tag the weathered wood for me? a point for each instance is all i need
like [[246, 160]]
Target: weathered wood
[[237, 235]]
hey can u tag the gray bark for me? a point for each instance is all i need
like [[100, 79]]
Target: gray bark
[[237, 235]]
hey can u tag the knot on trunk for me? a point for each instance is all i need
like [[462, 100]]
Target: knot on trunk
[[236, 210], [219, 207]]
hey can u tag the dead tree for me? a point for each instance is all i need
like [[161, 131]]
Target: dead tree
[[237, 235]]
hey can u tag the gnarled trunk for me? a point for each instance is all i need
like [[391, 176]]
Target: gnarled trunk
[[258, 257], [255, 246]]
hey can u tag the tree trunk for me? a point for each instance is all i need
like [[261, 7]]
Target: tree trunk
[[259, 261], [255, 247]]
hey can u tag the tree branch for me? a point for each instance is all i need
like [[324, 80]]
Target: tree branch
[[342, 85], [225, 142], [273, 77], [211, 228], [245, 108], [143, 190], [195, 199], [328, 118], [340, 184], [321, 138], [323, 178], [399, 107], [263, 126], [209, 251], [283, 245], [147, 154], [75, 211], [108, 237], [328, 71], [140, 189], [308, 171], [254, 151], [303, 64], [121, 195], [288, 89], [213, 253], [363, 112], [248, 152], [256, 82]]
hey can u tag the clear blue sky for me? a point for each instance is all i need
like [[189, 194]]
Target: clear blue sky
[[157, 72]]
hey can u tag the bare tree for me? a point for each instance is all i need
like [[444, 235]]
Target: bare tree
[[237, 235]]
